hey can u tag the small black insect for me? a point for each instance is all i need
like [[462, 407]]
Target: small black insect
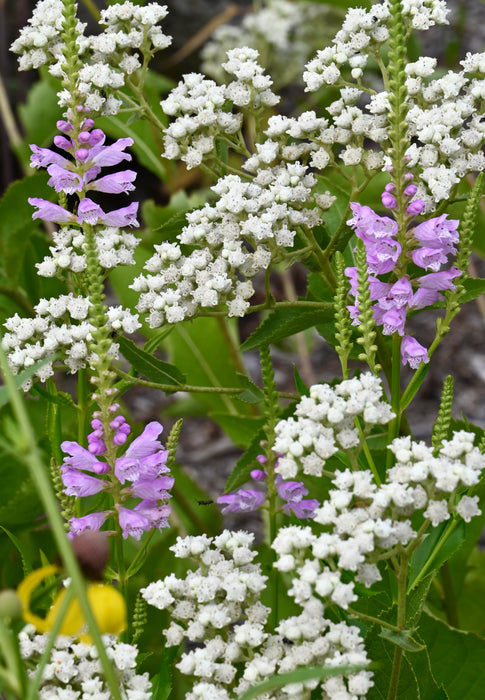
[[285, 640], [204, 503]]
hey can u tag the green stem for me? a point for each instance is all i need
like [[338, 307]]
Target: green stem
[[27, 450], [374, 620], [12, 668], [401, 624], [394, 425]]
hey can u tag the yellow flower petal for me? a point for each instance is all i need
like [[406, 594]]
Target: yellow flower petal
[[25, 590]]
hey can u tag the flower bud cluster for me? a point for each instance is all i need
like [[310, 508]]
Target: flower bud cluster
[[114, 247], [61, 330], [428, 245], [143, 464], [131, 36], [263, 213], [218, 606], [325, 424], [74, 672], [200, 106]]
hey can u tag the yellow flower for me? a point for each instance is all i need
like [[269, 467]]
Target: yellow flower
[[107, 604]]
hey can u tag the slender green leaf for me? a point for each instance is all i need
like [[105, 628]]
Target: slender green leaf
[[152, 368], [282, 323], [401, 639], [26, 565], [300, 675], [301, 387], [439, 546]]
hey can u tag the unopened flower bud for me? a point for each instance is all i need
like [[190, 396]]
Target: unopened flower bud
[[10, 604]]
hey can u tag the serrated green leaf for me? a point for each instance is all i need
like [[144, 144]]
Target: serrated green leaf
[[474, 287], [381, 651], [60, 398], [301, 387], [401, 639], [282, 323], [456, 658], [439, 546], [252, 394], [152, 368]]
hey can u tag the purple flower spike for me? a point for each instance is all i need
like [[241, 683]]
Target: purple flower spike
[[87, 523], [242, 501], [412, 352], [63, 180], [80, 458], [303, 509], [50, 212], [111, 155], [42, 157], [89, 211], [122, 217], [415, 208], [116, 183], [291, 491], [133, 523], [78, 484]]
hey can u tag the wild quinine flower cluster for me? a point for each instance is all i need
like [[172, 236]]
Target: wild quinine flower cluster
[[428, 245], [325, 422], [284, 33], [200, 106], [291, 492], [61, 325], [218, 606], [130, 38], [74, 671], [143, 465], [366, 520], [444, 118], [233, 239]]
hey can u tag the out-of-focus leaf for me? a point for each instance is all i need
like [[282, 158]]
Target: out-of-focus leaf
[[282, 323], [241, 429], [152, 368]]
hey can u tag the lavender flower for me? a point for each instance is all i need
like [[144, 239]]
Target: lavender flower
[[143, 464], [89, 155], [428, 246]]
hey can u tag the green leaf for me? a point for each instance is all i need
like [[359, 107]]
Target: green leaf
[[23, 377], [241, 472], [401, 639], [153, 369], [240, 429], [162, 684], [282, 323], [457, 659], [380, 651], [38, 116], [200, 348], [439, 546], [474, 287], [252, 393], [60, 398], [301, 387], [187, 503], [300, 675], [26, 565]]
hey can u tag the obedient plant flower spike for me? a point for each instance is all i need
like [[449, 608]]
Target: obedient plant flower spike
[[72, 64], [342, 317], [443, 422], [367, 324]]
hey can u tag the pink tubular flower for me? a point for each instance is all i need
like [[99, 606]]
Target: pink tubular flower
[[133, 523], [47, 211], [80, 458], [79, 484], [93, 521], [145, 458], [412, 352], [303, 510], [116, 183], [242, 501], [42, 157], [64, 180]]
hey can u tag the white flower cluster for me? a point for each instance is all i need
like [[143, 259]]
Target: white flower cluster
[[218, 605], [74, 671], [285, 34], [325, 423], [40, 41], [444, 120], [60, 327], [201, 106], [108, 58], [114, 248], [235, 238], [366, 521], [446, 117]]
